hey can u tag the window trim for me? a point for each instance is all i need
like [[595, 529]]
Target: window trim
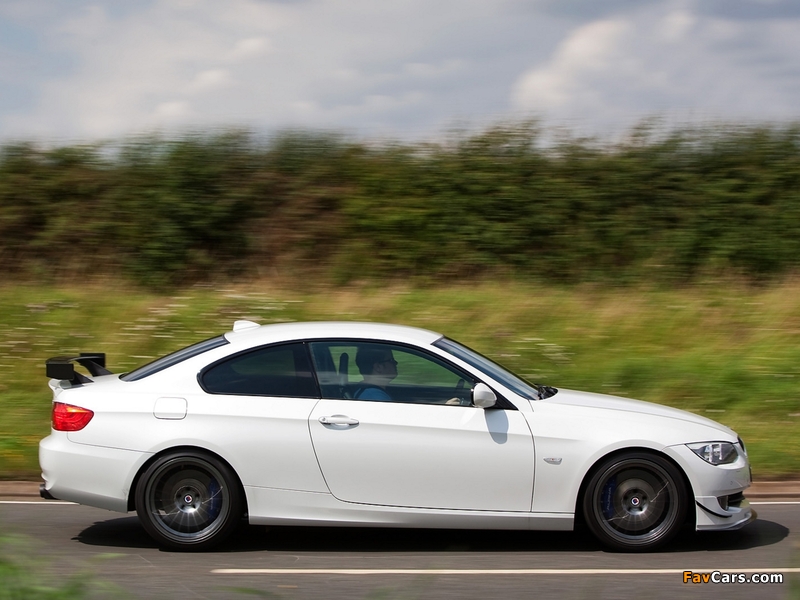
[[444, 343], [174, 358]]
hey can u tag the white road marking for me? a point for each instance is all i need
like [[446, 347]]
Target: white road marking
[[43, 502], [492, 571], [61, 502]]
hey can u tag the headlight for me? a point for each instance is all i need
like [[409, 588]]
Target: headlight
[[715, 453]]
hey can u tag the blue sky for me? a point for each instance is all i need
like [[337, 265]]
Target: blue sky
[[78, 71]]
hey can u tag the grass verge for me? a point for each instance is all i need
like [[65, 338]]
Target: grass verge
[[727, 351]]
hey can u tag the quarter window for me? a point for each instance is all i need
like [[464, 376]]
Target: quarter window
[[271, 371]]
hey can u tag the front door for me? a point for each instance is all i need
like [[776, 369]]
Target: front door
[[418, 441]]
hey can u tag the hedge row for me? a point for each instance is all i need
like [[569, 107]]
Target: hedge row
[[666, 205]]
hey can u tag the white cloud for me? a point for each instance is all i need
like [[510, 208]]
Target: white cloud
[[249, 48], [431, 70], [145, 70], [399, 66], [666, 60], [677, 24], [104, 68], [592, 49], [171, 110], [210, 79]]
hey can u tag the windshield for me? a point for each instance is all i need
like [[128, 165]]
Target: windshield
[[531, 391], [174, 358]]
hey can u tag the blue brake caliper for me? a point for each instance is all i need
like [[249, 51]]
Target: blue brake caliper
[[607, 498], [215, 501]]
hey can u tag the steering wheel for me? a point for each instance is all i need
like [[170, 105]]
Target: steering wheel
[[462, 400]]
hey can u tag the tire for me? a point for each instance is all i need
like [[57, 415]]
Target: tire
[[189, 501], [635, 502]]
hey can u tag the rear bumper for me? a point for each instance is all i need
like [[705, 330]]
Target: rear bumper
[[90, 475], [45, 494]]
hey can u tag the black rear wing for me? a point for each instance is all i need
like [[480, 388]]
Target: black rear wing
[[63, 367]]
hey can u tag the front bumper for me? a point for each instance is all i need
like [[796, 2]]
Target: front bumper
[[720, 504], [721, 513]]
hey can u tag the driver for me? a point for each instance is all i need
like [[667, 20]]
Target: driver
[[378, 367]]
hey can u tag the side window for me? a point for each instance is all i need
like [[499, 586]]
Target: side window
[[271, 371], [389, 373]]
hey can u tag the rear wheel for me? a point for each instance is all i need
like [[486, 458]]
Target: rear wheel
[[189, 501], [635, 502]]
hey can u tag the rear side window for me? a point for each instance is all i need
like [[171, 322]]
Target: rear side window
[[173, 359], [282, 370]]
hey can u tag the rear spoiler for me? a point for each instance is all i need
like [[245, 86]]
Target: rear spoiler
[[63, 367]]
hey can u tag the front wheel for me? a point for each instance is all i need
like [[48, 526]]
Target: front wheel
[[189, 501], [635, 502]]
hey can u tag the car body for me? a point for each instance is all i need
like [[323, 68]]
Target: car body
[[267, 422]]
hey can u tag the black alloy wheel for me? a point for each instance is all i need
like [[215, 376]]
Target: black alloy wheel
[[189, 501], [635, 502]]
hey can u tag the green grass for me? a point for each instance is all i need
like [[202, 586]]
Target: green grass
[[726, 351], [25, 573]]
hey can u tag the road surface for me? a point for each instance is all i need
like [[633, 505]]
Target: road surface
[[294, 562]]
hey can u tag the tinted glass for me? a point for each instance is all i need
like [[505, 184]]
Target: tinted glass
[[271, 371], [513, 382], [406, 374]]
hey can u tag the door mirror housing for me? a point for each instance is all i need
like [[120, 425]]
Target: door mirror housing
[[483, 396]]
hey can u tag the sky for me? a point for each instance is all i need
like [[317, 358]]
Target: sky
[[74, 70]]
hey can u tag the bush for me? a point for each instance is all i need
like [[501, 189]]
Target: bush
[[658, 206]]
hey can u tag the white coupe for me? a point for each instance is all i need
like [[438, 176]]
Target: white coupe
[[364, 424]]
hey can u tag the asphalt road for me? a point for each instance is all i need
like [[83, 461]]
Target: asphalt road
[[285, 562]]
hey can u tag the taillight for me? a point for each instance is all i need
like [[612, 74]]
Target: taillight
[[70, 418]]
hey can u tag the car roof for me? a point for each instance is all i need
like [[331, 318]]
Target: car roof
[[249, 334]]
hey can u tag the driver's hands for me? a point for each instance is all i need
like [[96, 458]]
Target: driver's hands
[[455, 402]]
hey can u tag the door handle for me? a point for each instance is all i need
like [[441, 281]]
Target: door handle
[[338, 420]]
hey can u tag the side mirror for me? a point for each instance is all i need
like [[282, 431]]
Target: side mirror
[[483, 396]]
